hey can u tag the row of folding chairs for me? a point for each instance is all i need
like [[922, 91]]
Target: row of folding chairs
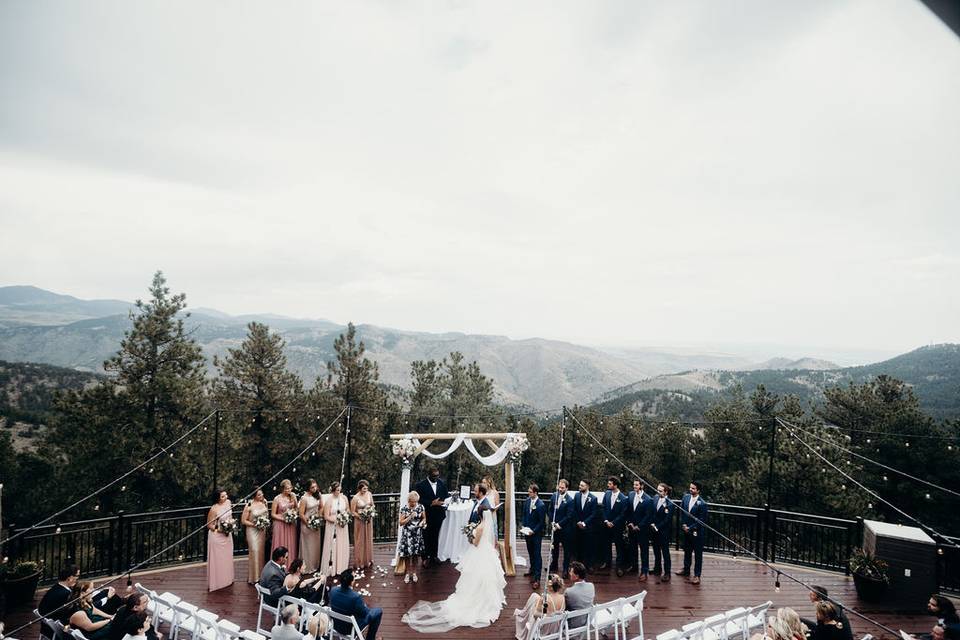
[[736, 624], [307, 609], [183, 618], [608, 619]]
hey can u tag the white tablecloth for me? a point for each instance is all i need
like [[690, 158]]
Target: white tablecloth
[[453, 543]]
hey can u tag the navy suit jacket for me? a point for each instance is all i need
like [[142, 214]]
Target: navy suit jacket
[[349, 603], [642, 516], [586, 514], [699, 511], [564, 513], [663, 517], [477, 514], [533, 518], [615, 512]]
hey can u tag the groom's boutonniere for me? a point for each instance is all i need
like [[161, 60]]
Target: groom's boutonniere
[[533, 506]]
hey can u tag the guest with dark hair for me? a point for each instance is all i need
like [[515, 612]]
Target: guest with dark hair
[[299, 585], [54, 602], [136, 626], [943, 609], [829, 626], [693, 517], [135, 604], [273, 575], [93, 622], [817, 594], [346, 601], [580, 594]]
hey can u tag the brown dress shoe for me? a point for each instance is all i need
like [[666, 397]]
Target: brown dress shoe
[[643, 577], [665, 577], [696, 580]]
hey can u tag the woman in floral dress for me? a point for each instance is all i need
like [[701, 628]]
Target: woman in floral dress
[[412, 521]]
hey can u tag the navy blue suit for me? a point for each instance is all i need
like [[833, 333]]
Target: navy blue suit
[[349, 603], [585, 512], [533, 518], [435, 515], [640, 519], [477, 514], [660, 532], [564, 535], [694, 534], [615, 512]]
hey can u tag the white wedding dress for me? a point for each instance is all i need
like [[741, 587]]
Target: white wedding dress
[[478, 597]]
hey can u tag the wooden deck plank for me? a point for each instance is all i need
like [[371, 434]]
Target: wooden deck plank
[[727, 583]]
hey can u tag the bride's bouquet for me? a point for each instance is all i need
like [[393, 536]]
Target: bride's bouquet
[[290, 515], [262, 522], [227, 527], [469, 530], [367, 512], [344, 518], [315, 522]]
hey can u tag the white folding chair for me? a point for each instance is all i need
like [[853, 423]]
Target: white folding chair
[[632, 609], [736, 623], [246, 634], [715, 627], [549, 627], [355, 631], [204, 625], [577, 623], [182, 618], [757, 617], [693, 630], [605, 616], [78, 635], [161, 606], [673, 634], [262, 592]]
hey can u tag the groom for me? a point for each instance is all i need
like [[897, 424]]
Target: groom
[[480, 503], [433, 491]]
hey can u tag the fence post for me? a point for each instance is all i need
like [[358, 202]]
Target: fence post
[[216, 451], [771, 453], [117, 545], [855, 532]]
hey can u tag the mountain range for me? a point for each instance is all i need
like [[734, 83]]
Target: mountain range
[[45, 327]]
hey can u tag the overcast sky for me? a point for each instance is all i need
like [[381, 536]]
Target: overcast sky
[[601, 172]]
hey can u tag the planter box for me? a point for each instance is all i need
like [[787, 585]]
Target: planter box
[[20, 590], [912, 556]]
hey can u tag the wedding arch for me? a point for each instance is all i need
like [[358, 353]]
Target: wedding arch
[[507, 448]]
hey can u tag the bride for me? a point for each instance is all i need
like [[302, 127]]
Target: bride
[[478, 597]]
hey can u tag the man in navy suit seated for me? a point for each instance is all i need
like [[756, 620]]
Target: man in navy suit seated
[[584, 521], [638, 525], [614, 507], [533, 515], [562, 517], [348, 602], [693, 517]]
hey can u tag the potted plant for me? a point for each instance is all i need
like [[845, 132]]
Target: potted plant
[[869, 575], [19, 582]]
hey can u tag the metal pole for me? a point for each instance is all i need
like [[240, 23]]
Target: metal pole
[[767, 516], [216, 451]]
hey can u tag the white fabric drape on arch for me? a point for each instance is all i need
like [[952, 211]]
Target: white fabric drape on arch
[[495, 458]]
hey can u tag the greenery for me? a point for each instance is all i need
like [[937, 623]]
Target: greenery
[[869, 566], [12, 571]]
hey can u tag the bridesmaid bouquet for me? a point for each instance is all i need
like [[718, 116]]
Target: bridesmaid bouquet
[[315, 522], [262, 522], [469, 530], [290, 516], [367, 512], [227, 527], [344, 518]]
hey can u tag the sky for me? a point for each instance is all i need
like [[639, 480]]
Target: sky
[[611, 173]]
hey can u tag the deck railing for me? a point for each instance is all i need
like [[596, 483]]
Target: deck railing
[[112, 545]]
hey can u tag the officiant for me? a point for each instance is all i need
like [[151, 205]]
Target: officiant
[[433, 491]]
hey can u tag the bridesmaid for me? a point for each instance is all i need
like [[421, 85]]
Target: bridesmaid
[[494, 496], [336, 539], [362, 531], [256, 538], [219, 544], [310, 538], [284, 533]]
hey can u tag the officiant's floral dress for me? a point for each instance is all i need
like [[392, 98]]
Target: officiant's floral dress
[[411, 537]]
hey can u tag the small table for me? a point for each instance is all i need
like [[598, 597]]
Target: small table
[[452, 543]]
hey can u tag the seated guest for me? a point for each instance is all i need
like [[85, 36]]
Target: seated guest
[[345, 601], [135, 603], [273, 574], [526, 618], [135, 626], [944, 610], [94, 623], [791, 623], [300, 586], [317, 626], [828, 625], [54, 602], [289, 627], [818, 594], [580, 594]]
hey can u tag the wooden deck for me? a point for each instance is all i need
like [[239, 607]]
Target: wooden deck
[[727, 583]]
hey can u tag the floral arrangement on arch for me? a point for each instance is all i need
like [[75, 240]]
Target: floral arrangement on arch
[[405, 448], [517, 443]]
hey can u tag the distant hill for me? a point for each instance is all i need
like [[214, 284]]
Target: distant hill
[[27, 305], [786, 364], [932, 371]]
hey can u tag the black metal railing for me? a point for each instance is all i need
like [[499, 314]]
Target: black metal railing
[[112, 545]]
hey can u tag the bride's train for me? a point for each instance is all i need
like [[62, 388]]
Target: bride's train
[[479, 595]]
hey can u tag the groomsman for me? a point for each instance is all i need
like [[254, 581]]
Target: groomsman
[[433, 491], [584, 518], [563, 525], [660, 529], [614, 508], [533, 519], [638, 526], [692, 519]]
